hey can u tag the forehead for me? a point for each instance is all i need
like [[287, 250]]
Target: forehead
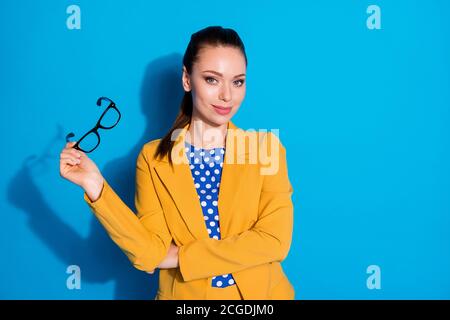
[[226, 60]]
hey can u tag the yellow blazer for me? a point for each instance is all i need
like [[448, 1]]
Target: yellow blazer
[[255, 215]]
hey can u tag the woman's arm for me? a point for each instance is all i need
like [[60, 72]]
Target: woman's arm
[[143, 237], [268, 240], [93, 187]]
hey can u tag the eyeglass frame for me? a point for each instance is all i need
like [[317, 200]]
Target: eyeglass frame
[[97, 126]]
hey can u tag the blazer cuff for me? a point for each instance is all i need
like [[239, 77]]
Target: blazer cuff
[[183, 264]]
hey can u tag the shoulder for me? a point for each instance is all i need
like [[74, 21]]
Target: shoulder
[[148, 150], [271, 142], [259, 136], [271, 136]]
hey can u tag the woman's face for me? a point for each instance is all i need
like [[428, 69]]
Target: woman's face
[[217, 83]]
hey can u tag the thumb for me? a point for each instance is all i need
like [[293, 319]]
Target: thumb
[[70, 144]]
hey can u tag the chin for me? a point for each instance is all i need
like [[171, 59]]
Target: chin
[[220, 120], [216, 119]]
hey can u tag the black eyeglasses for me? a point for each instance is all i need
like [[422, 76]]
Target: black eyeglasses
[[108, 120]]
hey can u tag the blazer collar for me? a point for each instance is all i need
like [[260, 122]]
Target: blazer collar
[[179, 183]]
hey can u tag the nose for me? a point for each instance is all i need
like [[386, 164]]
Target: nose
[[225, 93]]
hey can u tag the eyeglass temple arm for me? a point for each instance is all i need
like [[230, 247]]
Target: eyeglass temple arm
[[69, 135], [99, 100]]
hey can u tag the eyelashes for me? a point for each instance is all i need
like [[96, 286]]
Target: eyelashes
[[214, 81], [209, 78]]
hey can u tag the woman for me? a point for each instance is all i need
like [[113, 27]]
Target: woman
[[206, 246]]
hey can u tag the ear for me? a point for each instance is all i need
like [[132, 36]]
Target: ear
[[186, 81]]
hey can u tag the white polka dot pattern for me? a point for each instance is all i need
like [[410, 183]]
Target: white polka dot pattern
[[206, 168]]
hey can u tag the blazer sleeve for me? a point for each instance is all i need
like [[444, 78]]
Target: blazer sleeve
[[144, 236], [268, 240]]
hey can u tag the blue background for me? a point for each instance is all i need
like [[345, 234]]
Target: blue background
[[363, 114]]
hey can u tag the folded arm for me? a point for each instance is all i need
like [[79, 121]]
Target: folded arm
[[268, 240]]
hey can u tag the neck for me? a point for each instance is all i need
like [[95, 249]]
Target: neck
[[205, 135]]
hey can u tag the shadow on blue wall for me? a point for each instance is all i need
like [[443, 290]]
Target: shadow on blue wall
[[98, 257]]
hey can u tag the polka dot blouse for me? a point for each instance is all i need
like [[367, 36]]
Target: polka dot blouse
[[206, 168]]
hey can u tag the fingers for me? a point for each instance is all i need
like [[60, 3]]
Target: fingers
[[69, 160], [70, 155], [70, 144], [71, 152]]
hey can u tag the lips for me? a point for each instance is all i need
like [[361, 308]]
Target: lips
[[222, 110], [221, 107]]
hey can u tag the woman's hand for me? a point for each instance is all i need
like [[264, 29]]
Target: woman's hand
[[171, 259], [77, 167]]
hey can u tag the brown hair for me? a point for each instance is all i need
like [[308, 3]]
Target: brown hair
[[210, 36]]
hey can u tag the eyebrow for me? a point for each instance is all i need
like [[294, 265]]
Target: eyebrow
[[221, 75]]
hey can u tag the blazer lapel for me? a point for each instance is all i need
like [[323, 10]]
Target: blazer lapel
[[179, 183], [231, 182]]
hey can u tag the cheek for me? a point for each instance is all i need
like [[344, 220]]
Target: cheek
[[207, 93], [239, 95]]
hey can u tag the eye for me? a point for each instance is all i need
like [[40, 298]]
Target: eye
[[210, 78], [240, 82]]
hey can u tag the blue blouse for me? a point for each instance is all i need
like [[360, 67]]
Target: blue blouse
[[206, 168]]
